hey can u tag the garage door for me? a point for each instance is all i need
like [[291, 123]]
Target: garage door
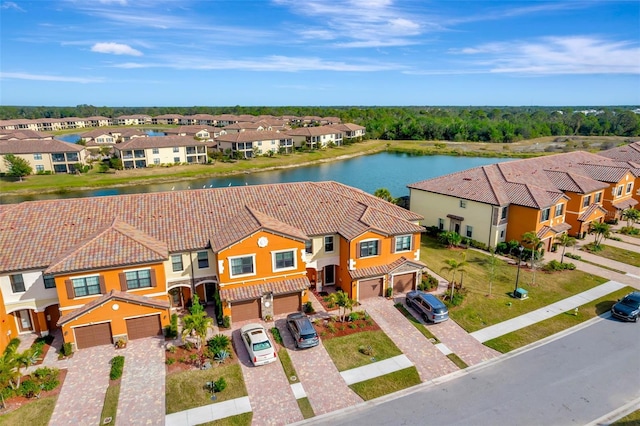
[[286, 304], [370, 288], [144, 327], [241, 311], [404, 283], [93, 335]]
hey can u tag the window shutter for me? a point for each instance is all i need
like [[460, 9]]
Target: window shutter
[[152, 273], [103, 287], [71, 294], [358, 251], [123, 281]]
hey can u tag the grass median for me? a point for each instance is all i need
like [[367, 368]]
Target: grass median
[[36, 413], [346, 351]]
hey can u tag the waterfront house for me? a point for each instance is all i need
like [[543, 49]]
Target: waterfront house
[[629, 155], [316, 137], [45, 155], [248, 143], [143, 152]]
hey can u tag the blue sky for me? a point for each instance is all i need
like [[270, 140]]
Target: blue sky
[[329, 52]]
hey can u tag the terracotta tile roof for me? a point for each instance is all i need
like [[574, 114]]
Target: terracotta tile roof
[[23, 134], [561, 227], [34, 234], [378, 270], [623, 205], [159, 142], [630, 152], [572, 182], [33, 146], [590, 210], [313, 131], [251, 292], [348, 127], [252, 136], [113, 295], [118, 244]]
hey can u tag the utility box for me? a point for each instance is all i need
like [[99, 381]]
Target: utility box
[[521, 293]]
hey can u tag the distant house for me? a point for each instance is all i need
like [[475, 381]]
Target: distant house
[[351, 131], [132, 120], [23, 134], [143, 152], [316, 137], [242, 126], [248, 143], [166, 119], [45, 155], [628, 156], [202, 133]]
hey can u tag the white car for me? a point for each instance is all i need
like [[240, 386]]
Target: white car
[[261, 350]]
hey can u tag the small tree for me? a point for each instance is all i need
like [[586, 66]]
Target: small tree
[[385, 194], [454, 266], [492, 270], [196, 323], [17, 166], [534, 242], [565, 241], [343, 301], [631, 215], [601, 231], [450, 238]]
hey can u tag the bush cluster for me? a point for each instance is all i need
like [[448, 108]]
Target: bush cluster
[[117, 365], [429, 282], [171, 331], [554, 265]]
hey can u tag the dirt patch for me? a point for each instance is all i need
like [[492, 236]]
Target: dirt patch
[[16, 402], [330, 328]]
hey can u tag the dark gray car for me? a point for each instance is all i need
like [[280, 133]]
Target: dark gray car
[[430, 307], [303, 332]]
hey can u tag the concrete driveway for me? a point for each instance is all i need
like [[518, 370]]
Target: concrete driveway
[[270, 394], [323, 384]]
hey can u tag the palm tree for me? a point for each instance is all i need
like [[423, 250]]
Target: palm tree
[[534, 242], [196, 323], [343, 301], [493, 262], [384, 194], [601, 231], [453, 267], [631, 215], [565, 241]]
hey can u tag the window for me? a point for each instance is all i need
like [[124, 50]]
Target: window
[[441, 224], [176, 262], [203, 260], [469, 231], [72, 157], [86, 286], [586, 200], [138, 279], [57, 158], [328, 243], [284, 260], [559, 210], [176, 149], [598, 197], [176, 159], [242, 265], [629, 187], [545, 214], [501, 233], [37, 156], [156, 150], [49, 281], [619, 193], [17, 283], [369, 248], [39, 168], [503, 214], [403, 243], [463, 204], [156, 161], [308, 246]]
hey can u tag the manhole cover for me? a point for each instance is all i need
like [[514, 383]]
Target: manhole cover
[[293, 378], [107, 420]]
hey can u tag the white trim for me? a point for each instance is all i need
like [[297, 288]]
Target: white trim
[[289, 268], [395, 243], [86, 325], [365, 241], [333, 243], [255, 267]]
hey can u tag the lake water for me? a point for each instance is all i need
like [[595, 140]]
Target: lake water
[[74, 137], [369, 172]]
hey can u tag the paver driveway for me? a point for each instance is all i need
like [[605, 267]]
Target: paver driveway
[[323, 384], [429, 361], [82, 395], [270, 394], [142, 390]]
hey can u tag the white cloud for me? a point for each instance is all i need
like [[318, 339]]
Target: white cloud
[[43, 77], [11, 5], [115, 49], [558, 55]]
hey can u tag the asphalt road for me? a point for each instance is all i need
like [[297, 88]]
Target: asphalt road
[[573, 380]]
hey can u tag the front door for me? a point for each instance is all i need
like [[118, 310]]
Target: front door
[[329, 275], [24, 321], [210, 291], [176, 297]]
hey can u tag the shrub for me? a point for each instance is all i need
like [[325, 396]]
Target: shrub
[[457, 299], [117, 364], [220, 385], [67, 349], [573, 256], [331, 328], [222, 356], [188, 345], [170, 361], [172, 349], [629, 230], [171, 331], [433, 231], [276, 335], [353, 325], [366, 350], [429, 282], [554, 265], [47, 377], [29, 389], [389, 292], [218, 343], [226, 321], [307, 308], [449, 238], [354, 316]]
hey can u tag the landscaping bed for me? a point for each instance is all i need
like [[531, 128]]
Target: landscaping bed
[[331, 328], [32, 411]]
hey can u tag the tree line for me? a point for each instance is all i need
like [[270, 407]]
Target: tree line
[[475, 124]]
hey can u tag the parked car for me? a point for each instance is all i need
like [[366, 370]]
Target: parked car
[[302, 330], [430, 307], [261, 350], [627, 308]]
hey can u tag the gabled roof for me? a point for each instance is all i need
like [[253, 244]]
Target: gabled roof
[[630, 152], [113, 295], [591, 210], [252, 136], [313, 131], [33, 146], [117, 244], [158, 142], [238, 294], [625, 204], [379, 270]]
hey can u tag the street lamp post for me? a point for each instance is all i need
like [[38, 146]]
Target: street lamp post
[[520, 249]]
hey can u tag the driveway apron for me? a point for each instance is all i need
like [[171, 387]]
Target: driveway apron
[[142, 390], [82, 395], [271, 397], [323, 384], [429, 361]]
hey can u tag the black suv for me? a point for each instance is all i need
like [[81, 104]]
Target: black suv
[[628, 308]]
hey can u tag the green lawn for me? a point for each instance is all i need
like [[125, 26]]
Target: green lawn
[[632, 419], [287, 365], [618, 254], [389, 383], [110, 407], [305, 408], [35, 413], [478, 309], [561, 322], [344, 351], [186, 389]]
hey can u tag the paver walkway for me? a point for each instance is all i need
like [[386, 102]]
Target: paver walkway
[[142, 389], [269, 392], [320, 379], [546, 312], [82, 395], [429, 361]]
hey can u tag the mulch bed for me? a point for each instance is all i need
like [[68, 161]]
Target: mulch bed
[[183, 361], [325, 330], [320, 296], [16, 402]]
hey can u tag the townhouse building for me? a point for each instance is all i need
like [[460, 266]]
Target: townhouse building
[[249, 143], [316, 137], [628, 156], [109, 268], [143, 152], [45, 155], [351, 131]]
